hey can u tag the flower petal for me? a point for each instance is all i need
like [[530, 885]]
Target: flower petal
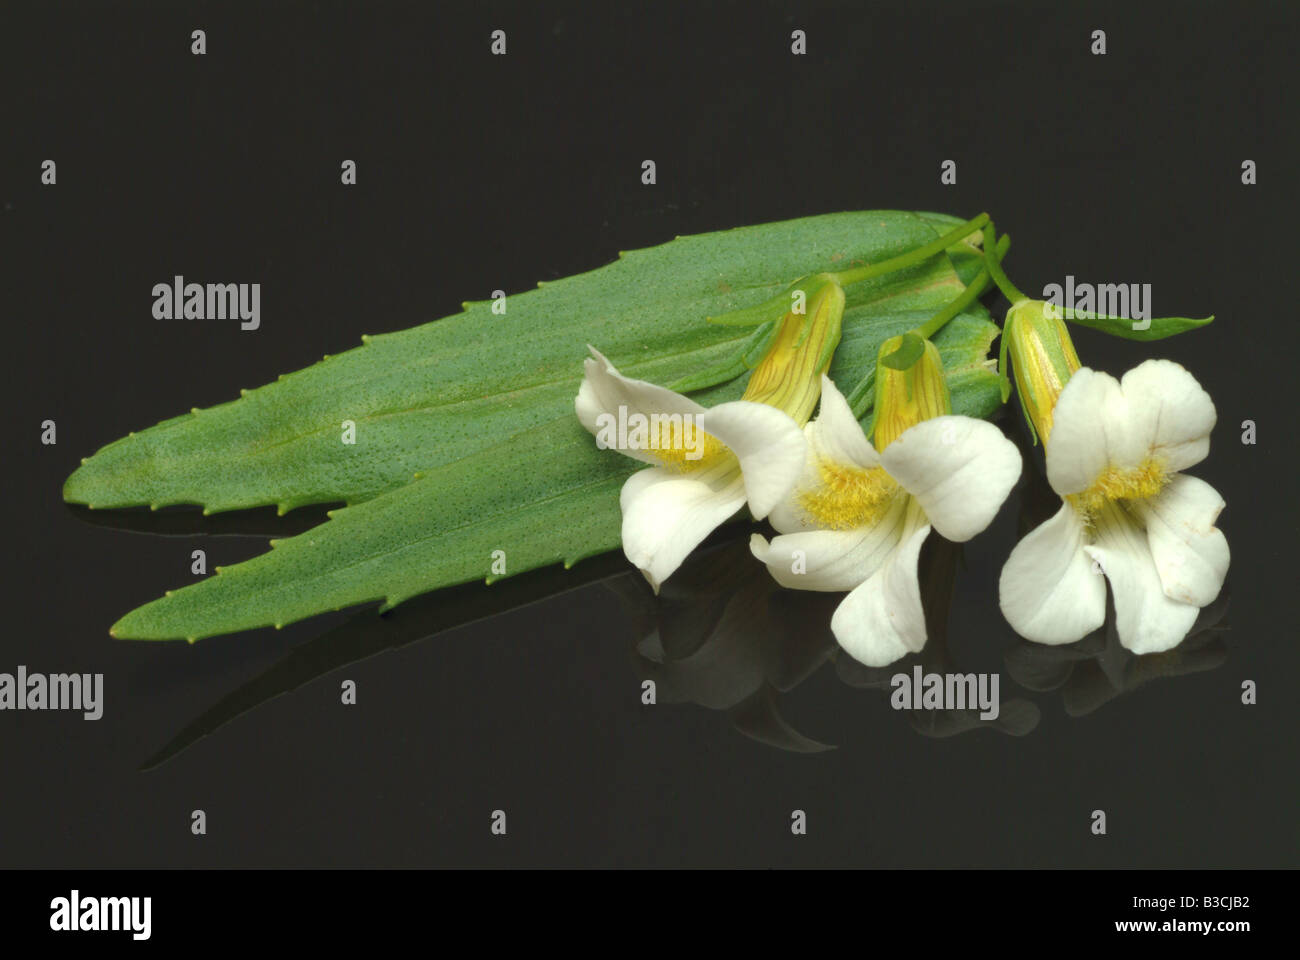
[[1091, 431], [883, 620], [836, 434], [604, 390], [769, 445], [1146, 620], [1049, 591], [831, 560], [1158, 410], [667, 514], [959, 469], [1173, 412], [1190, 552]]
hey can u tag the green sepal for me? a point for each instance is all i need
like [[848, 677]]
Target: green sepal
[[769, 310], [828, 351], [908, 352], [1004, 380], [756, 347], [861, 397], [1029, 421], [745, 358]]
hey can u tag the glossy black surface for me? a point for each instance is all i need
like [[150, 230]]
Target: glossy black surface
[[479, 172]]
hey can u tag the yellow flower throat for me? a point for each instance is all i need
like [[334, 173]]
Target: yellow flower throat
[[1115, 483], [848, 496], [685, 446]]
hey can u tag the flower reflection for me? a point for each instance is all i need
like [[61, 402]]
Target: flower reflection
[[725, 636], [728, 638], [1098, 668], [938, 573]]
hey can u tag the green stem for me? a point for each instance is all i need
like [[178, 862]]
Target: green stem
[[1008, 288], [912, 257], [967, 297], [860, 397]]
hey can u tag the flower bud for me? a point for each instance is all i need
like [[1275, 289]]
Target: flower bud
[[789, 376], [1042, 358], [906, 397]]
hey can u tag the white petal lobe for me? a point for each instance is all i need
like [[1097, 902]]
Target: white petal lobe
[[1175, 415], [836, 434], [604, 391], [1091, 431], [666, 515], [958, 468], [1049, 591], [883, 620], [1146, 620], [769, 445], [830, 560], [1190, 553]]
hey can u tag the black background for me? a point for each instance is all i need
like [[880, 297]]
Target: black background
[[478, 172]]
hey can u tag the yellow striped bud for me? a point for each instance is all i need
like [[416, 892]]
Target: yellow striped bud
[[906, 397], [1042, 358], [789, 376]]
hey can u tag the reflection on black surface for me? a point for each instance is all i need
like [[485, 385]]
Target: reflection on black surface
[[1096, 669], [938, 575], [367, 634], [724, 635]]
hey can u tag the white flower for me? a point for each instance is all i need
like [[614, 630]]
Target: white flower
[[706, 466], [1113, 455], [856, 519]]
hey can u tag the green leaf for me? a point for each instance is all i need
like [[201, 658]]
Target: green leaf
[[447, 389], [481, 406], [1159, 327]]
